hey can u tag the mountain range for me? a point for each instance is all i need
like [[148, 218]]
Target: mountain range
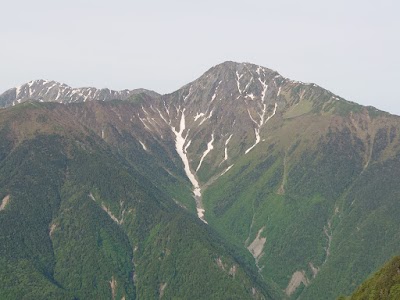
[[241, 184]]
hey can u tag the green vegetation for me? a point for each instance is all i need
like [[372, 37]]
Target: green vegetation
[[99, 207], [332, 219], [83, 222], [385, 284]]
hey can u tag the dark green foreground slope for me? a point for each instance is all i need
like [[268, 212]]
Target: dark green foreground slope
[[79, 222], [383, 285]]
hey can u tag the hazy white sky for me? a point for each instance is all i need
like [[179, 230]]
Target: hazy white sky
[[350, 47]]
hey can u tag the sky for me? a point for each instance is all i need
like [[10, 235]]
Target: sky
[[351, 47]]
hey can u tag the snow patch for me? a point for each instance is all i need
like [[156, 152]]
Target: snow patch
[[259, 125], [226, 170], [226, 147], [187, 96], [143, 145], [248, 84], [215, 92], [145, 125], [206, 118], [179, 144], [251, 96], [238, 81], [209, 148], [162, 117], [17, 91], [198, 115], [145, 111]]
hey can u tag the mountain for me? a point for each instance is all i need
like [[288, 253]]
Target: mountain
[[81, 221], [291, 182], [384, 284], [52, 91]]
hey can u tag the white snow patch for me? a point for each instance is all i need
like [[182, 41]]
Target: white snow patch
[[279, 91], [226, 147], [179, 144], [162, 117], [145, 111], [17, 91], [145, 125], [257, 130], [226, 170], [58, 94], [187, 96], [248, 84], [198, 115], [209, 148], [187, 145], [252, 117], [251, 96], [215, 92], [143, 145], [206, 118], [238, 81], [166, 108], [265, 88]]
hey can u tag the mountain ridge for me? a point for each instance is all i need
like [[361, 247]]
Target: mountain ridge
[[49, 84], [290, 173]]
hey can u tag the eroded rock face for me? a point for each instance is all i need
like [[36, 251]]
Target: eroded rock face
[[256, 247], [298, 277], [4, 202]]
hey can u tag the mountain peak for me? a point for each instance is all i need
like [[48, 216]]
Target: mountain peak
[[241, 67]]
